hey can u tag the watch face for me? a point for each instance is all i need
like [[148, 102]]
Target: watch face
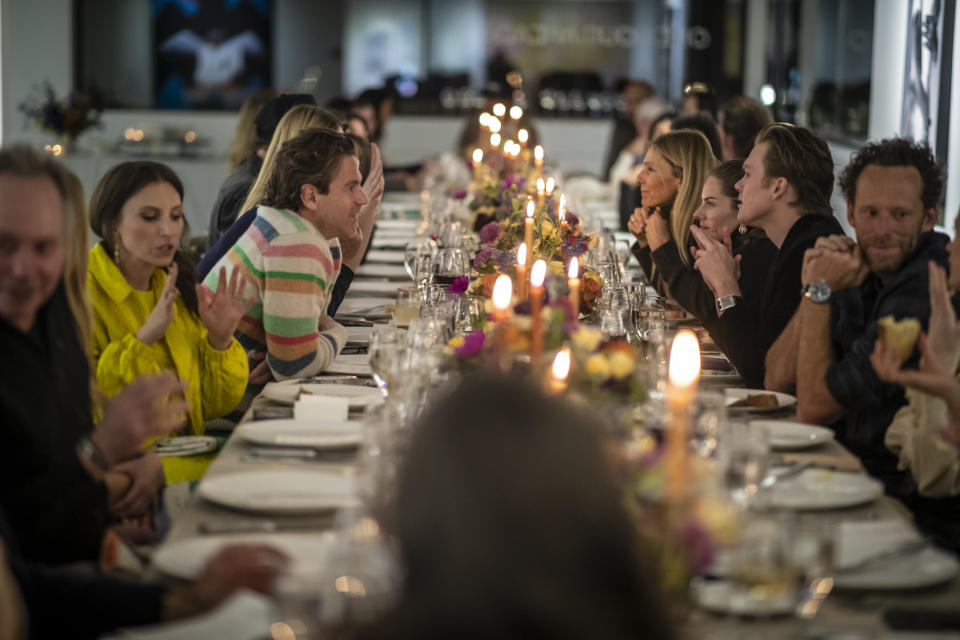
[[818, 291]]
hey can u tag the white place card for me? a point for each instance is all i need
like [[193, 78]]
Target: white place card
[[327, 408]]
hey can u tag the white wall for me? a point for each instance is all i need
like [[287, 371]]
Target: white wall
[[37, 45], [886, 79], [953, 152]]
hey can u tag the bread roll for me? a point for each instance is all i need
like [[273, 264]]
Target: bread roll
[[900, 335]]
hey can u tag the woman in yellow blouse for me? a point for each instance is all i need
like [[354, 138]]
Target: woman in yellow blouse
[[146, 319]]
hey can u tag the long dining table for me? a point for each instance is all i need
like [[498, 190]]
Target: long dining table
[[857, 612]]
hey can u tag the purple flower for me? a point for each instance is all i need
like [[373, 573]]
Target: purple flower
[[697, 544], [489, 233], [472, 345], [460, 195], [483, 256], [575, 245], [506, 258], [459, 285], [573, 220]]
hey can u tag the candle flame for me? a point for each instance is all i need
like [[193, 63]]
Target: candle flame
[[523, 135], [574, 270], [550, 185], [485, 119], [522, 255], [495, 140], [499, 109], [477, 156], [540, 186], [684, 359], [508, 147], [562, 209], [538, 273], [502, 292], [561, 364], [494, 125], [530, 208], [516, 112], [538, 153]]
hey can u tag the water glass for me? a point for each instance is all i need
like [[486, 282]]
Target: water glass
[[386, 346], [762, 565], [408, 305], [423, 270], [419, 247], [745, 451], [709, 423], [470, 313], [611, 322]]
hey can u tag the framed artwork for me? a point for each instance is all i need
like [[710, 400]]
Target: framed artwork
[[927, 82], [210, 54]]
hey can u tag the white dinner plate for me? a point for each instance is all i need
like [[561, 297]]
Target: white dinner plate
[[280, 491], [410, 225], [791, 436], [389, 287], [186, 558], [359, 335], [374, 270], [360, 305], [783, 399], [286, 392], [815, 489], [385, 255], [302, 433], [925, 568], [726, 596], [357, 364]]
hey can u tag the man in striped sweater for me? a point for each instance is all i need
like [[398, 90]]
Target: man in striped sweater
[[290, 254]]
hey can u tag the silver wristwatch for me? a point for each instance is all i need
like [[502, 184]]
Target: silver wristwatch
[[818, 291], [726, 302]]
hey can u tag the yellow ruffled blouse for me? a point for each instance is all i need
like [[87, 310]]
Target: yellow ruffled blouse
[[214, 380]]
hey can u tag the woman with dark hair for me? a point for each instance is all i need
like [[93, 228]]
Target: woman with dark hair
[[510, 525], [148, 313]]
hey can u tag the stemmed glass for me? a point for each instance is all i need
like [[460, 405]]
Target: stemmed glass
[[414, 248], [451, 264], [423, 270]]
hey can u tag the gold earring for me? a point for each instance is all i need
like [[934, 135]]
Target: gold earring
[[116, 250]]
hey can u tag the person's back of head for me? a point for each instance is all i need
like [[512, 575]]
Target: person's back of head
[[245, 133], [647, 111], [739, 120], [699, 97], [505, 509], [688, 152], [803, 159], [310, 158], [297, 119], [270, 115], [702, 123], [634, 92]]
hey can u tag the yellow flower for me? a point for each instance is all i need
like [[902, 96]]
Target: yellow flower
[[594, 241], [456, 342], [556, 268], [587, 339], [598, 366], [523, 323], [546, 228], [621, 364]]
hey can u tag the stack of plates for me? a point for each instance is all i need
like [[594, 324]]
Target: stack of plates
[[302, 433], [280, 492]]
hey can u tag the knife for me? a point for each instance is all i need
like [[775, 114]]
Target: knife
[[210, 527]]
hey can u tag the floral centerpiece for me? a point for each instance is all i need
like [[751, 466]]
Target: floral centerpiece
[[66, 117]]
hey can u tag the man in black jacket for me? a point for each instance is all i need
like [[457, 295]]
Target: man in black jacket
[[785, 191]]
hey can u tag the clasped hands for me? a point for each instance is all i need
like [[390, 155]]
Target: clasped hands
[[649, 227], [837, 260], [716, 263]]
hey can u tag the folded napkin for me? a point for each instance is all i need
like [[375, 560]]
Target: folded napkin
[[835, 461], [317, 407], [857, 541]]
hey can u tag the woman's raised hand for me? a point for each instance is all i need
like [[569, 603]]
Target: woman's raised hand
[[159, 319], [221, 312]]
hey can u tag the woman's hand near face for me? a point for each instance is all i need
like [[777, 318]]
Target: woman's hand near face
[[637, 225], [221, 312], [159, 319], [658, 231]]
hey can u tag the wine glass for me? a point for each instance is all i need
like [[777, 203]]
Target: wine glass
[[423, 270], [469, 313], [414, 248], [451, 264]]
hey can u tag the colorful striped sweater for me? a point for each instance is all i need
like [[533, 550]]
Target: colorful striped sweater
[[290, 269]]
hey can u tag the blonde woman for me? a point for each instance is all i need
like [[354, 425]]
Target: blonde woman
[[296, 120], [244, 140], [671, 178]]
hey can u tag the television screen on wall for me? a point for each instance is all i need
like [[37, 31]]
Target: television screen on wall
[[210, 54]]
